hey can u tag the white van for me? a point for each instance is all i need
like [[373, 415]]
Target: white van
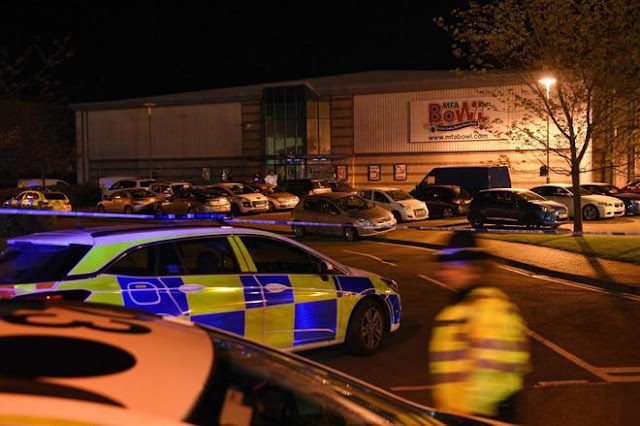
[[34, 182]]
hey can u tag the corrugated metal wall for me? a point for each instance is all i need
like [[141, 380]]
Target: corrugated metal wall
[[211, 130], [381, 122]]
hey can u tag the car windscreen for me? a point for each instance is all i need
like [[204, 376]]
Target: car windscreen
[[32, 263], [209, 193], [398, 195], [142, 194], [611, 189], [460, 192], [317, 184], [240, 189], [278, 389], [530, 196], [146, 183], [55, 196], [582, 191], [352, 203]]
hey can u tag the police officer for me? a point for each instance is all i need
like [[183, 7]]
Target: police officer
[[478, 354], [271, 179]]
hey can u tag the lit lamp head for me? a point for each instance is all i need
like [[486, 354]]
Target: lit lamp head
[[547, 82]]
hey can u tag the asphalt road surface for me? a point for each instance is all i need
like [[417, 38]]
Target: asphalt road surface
[[585, 342]]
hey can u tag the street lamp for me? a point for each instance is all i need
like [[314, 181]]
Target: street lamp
[[149, 106], [547, 82]]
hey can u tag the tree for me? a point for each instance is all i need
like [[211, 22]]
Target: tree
[[35, 126], [591, 47]]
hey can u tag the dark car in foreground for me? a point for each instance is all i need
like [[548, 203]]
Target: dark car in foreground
[[443, 200], [514, 206], [70, 363], [631, 201]]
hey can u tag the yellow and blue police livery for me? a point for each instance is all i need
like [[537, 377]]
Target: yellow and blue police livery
[[254, 283], [45, 200]]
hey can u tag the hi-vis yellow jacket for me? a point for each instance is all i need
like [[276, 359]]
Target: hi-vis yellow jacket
[[478, 353]]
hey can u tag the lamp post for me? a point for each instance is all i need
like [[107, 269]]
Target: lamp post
[[547, 82], [149, 106]]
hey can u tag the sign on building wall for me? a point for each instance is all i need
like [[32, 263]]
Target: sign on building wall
[[375, 172], [400, 172], [456, 120]]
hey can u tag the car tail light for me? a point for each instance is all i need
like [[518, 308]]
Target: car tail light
[[56, 296], [457, 200]]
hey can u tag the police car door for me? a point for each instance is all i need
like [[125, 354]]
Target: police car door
[[301, 299], [211, 278]]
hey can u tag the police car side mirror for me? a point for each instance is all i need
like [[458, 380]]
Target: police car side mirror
[[323, 269]]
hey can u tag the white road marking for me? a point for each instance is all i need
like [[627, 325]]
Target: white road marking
[[370, 256], [436, 282], [556, 383]]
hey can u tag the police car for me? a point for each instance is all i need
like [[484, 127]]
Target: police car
[[253, 283], [34, 199], [73, 363]]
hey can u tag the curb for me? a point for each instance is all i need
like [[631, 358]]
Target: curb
[[612, 286]]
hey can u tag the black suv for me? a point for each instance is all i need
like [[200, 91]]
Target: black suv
[[443, 200], [516, 207]]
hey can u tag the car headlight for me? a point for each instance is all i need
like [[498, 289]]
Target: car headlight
[[364, 222], [546, 209], [602, 204], [636, 202], [391, 284]]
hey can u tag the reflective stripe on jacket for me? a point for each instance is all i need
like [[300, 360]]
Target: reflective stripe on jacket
[[478, 353]]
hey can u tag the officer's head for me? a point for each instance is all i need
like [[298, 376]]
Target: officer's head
[[462, 262]]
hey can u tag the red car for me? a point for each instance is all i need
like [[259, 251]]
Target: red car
[[633, 186]]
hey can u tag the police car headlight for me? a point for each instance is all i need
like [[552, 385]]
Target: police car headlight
[[392, 284]]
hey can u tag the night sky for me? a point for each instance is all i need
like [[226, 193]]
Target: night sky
[[138, 48]]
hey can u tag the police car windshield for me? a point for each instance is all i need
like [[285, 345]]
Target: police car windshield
[[33, 263], [397, 195], [352, 203]]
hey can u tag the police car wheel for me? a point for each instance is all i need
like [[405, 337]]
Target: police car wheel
[[298, 231], [350, 233], [366, 328]]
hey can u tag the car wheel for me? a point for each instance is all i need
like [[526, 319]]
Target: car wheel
[[100, 209], [447, 212], [397, 216], [159, 211], [128, 210], [590, 212], [298, 231], [191, 210], [366, 328], [475, 219], [350, 233], [272, 207], [235, 210]]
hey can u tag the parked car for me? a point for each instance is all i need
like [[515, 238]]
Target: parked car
[[46, 200], [352, 215], [303, 187], [513, 206], [249, 282], [128, 201], [631, 201], [42, 183], [278, 198], [339, 186], [108, 365], [402, 205], [471, 178], [633, 186], [118, 185], [593, 206], [195, 201], [444, 200], [164, 190], [244, 199], [106, 182]]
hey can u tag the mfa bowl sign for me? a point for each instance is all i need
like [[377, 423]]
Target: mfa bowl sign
[[452, 120]]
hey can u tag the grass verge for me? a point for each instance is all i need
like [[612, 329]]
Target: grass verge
[[623, 249]]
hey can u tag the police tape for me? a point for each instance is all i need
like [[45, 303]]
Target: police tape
[[225, 219]]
